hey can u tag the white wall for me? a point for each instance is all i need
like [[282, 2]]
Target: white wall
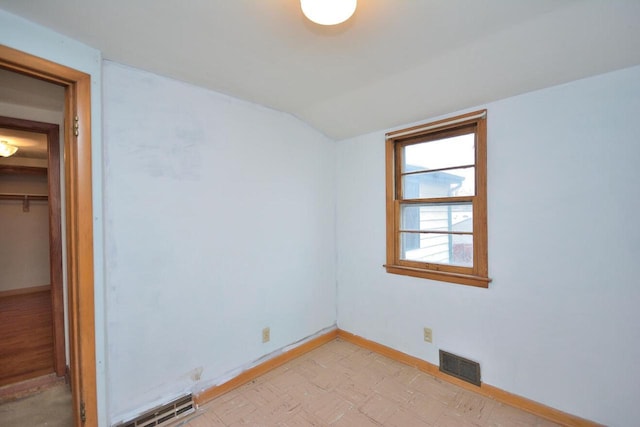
[[559, 322], [219, 222], [34, 39]]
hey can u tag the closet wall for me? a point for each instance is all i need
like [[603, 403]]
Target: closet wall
[[26, 334], [24, 247]]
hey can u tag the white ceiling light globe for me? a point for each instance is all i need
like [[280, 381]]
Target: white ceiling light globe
[[6, 149], [328, 12]]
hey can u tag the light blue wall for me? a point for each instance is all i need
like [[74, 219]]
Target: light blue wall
[[28, 37], [558, 323], [219, 218]]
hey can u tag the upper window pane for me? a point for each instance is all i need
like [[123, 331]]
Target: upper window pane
[[449, 183], [440, 154]]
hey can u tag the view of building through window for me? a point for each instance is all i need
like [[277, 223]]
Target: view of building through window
[[437, 200], [435, 232]]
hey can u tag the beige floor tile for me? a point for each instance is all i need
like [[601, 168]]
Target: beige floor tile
[[328, 408], [257, 418], [385, 365], [367, 377], [326, 357], [308, 368], [394, 390], [343, 371], [404, 418], [355, 418], [342, 348], [300, 419], [327, 379], [234, 410], [354, 391], [406, 375], [435, 389], [272, 403], [473, 406], [202, 418], [454, 420], [342, 385], [358, 359], [287, 380], [305, 392], [275, 372], [379, 408], [426, 408], [263, 394]]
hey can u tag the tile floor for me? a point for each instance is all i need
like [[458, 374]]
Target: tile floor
[[49, 407], [340, 384]]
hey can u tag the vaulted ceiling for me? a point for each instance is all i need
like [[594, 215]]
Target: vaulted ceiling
[[394, 62]]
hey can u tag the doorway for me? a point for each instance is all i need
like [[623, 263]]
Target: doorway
[[31, 280], [78, 220]]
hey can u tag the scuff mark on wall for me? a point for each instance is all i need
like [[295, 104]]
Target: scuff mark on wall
[[196, 374]]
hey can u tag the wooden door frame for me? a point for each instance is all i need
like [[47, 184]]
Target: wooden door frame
[[52, 132], [79, 221]]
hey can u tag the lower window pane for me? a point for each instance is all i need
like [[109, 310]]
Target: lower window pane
[[440, 217], [437, 248]]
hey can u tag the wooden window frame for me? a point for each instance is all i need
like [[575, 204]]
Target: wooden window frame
[[476, 275]]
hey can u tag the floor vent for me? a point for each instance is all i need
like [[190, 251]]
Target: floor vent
[[465, 369], [163, 415]]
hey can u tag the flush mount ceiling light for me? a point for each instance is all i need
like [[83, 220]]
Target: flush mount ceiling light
[[7, 149], [328, 12]]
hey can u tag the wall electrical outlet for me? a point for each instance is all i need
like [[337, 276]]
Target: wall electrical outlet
[[428, 335], [266, 335]]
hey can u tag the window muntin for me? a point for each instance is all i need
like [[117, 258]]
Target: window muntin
[[436, 201]]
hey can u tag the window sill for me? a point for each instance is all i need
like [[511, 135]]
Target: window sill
[[461, 279]]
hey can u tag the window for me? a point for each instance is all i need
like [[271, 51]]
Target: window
[[437, 200]]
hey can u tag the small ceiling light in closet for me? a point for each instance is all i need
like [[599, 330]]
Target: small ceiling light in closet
[[7, 149], [328, 12]]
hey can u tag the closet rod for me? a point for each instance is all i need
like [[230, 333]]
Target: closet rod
[[9, 196], [26, 199]]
